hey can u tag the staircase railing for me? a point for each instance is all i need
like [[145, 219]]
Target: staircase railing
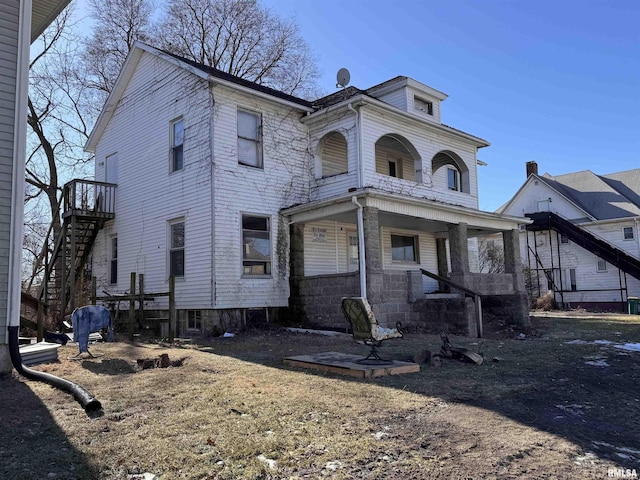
[[477, 298]]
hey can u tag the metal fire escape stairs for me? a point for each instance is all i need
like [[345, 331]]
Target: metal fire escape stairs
[[599, 247], [87, 206]]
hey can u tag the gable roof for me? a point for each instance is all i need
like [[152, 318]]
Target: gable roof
[[601, 197]]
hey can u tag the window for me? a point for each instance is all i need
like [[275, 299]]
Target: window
[[249, 145], [256, 245], [602, 265], [113, 271], [194, 320], [549, 274], [453, 179], [627, 233], [572, 276], [334, 155], [403, 248], [177, 145], [564, 238], [176, 249], [393, 168], [424, 106]]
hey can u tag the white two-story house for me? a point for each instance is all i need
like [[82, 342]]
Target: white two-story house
[[262, 205], [584, 243]]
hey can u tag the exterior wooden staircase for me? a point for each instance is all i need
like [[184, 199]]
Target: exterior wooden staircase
[[87, 205]]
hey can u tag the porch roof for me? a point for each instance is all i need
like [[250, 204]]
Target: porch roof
[[400, 211]]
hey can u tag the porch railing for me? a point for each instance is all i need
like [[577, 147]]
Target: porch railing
[[477, 298], [89, 198]]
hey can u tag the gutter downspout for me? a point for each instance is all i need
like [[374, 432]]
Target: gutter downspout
[[360, 164], [214, 296], [361, 258]]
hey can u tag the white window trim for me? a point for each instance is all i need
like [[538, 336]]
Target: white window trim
[[241, 243], [633, 234], [598, 269], [457, 179], [172, 144], [169, 248], [428, 103], [259, 141]]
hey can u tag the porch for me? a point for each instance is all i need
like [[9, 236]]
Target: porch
[[399, 237]]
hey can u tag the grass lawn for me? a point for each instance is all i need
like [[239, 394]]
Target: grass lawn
[[549, 407]]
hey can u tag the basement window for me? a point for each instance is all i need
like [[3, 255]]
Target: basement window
[[194, 320]]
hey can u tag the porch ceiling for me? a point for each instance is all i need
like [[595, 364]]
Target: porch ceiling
[[397, 211]]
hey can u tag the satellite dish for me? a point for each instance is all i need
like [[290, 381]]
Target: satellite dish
[[343, 78]]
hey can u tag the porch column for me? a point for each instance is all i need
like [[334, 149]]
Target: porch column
[[459, 250], [373, 258], [443, 267], [511, 242], [297, 310], [513, 266]]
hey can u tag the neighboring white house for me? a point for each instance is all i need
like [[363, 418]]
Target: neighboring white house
[[21, 22], [257, 201], [579, 259]]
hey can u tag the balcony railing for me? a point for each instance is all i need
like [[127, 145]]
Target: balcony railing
[[90, 199]]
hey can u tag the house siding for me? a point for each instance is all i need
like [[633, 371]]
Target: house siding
[[148, 196], [9, 22]]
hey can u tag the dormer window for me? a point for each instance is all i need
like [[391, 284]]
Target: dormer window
[[424, 106]]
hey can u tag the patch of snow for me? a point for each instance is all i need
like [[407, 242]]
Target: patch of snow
[[328, 333], [631, 347], [268, 461], [602, 342], [576, 342], [228, 335], [380, 435], [587, 457], [597, 363], [333, 466]]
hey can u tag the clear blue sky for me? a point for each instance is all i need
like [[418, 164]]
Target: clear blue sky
[[557, 82]]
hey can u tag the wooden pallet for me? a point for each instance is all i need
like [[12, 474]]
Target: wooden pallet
[[345, 364]]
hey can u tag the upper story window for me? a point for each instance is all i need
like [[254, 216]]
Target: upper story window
[[249, 139], [176, 248], [627, 233], [256, 245], [602, 265], [334, 155], [396, 157], [177, 145], [564, 238], [422, 105], [404, 249], [453, 179]]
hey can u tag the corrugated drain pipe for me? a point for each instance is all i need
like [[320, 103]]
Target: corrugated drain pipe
[[84, 398]]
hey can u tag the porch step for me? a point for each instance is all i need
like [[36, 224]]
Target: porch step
[[438, 296]]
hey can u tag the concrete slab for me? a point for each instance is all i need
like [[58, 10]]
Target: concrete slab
[[345, 364]]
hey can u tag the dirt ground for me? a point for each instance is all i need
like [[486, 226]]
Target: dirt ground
[[561, 403]]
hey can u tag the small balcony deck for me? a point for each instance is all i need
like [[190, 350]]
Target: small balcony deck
[[90, 199]]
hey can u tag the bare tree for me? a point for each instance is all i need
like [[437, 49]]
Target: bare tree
[[242, 38], [491, 257], [119, 24]]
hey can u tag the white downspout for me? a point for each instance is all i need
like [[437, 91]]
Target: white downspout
[[19, 153], [361, 259], [360, 164], [212, 116]]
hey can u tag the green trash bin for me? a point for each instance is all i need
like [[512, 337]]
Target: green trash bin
[[634, 305]]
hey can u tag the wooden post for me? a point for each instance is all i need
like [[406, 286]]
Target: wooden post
[[478, 302], [93, 290], [72, 267], [141, 293], [132, 305], [172, 308]]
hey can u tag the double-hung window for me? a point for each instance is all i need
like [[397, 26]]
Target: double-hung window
[[176, 248], [404, 249], [627, 233], [453, 179], [256, 245], [249, 139], [177, 145]]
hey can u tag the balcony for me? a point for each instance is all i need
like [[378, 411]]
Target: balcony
[[89, 199]]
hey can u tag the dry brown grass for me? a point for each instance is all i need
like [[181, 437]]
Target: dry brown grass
[[232, 405]]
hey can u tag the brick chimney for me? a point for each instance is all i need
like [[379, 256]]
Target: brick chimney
[[532, 167]]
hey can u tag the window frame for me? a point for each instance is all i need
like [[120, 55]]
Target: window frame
[[456, 178], [248, 262], [603, 264], [624, 233], [175, 147], [113, 261], [257, 141], [416, 249], [427, 103], [171, 249], [573, 280], [197, 314], [564, 240]]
